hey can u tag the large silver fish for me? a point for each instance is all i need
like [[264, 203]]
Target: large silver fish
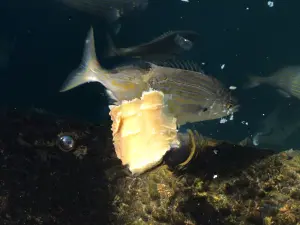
[[285, 80], [192, 96]]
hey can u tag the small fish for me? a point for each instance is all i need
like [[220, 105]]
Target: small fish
[[110, 10], [192, 95], [285, 80], [166, 46], [256, 137], [278, 127]]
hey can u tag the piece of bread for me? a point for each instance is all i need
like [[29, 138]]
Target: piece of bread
[[143, 131]]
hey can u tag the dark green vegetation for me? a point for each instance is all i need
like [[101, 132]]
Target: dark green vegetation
[[40, 184]]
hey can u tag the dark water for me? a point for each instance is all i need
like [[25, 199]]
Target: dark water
[[246, 36]]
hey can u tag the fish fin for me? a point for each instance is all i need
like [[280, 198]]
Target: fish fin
[[180, 64], [165, 34], [112, 100], [87, 71], [283, 93], [254, 81], [111, 49], [177, 33]]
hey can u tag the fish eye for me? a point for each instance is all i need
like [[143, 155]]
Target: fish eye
[[65, 143], [183, 42], [205, 109]]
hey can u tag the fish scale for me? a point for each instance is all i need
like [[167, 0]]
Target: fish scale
[[190, 81], [192, 96]]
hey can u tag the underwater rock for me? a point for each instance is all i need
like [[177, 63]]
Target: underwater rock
[[216, 182], [40, 183], [222, 184]]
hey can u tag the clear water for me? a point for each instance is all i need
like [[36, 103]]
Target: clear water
[[248, 37]]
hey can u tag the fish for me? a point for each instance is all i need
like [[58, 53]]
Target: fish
[[278, 126], [179, 64], [285, 80], [167, 45], [191, 95], [111, 10]]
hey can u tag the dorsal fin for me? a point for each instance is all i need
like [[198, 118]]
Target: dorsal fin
[[180, 33], [162, 36], [165, 34], [180, 64]]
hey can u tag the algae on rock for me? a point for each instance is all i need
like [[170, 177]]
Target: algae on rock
[[238, 185]]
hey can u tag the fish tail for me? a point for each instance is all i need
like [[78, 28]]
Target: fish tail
[[89, 68], [111, 50], [254, 81]]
